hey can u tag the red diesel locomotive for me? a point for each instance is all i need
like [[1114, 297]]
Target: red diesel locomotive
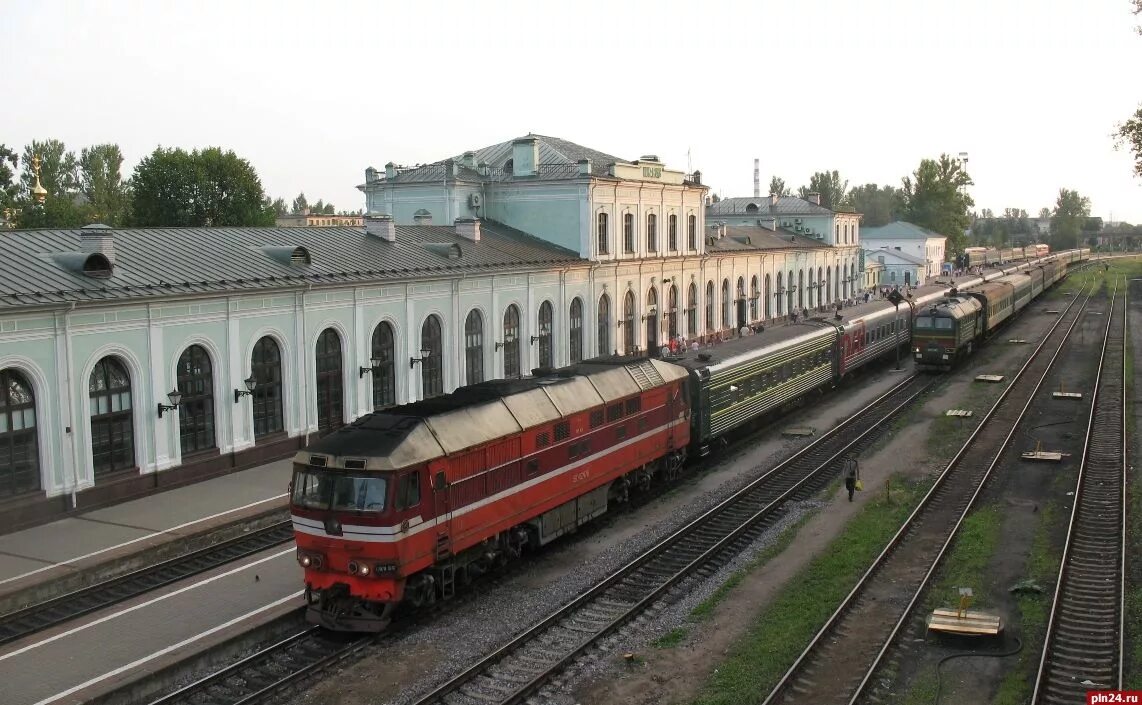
[[404, 504]]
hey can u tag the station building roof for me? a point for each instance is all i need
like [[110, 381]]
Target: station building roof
[[748, 206], [898, 230], [51, 266]]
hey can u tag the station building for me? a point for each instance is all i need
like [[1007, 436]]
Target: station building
[[535, 252], [916, 241]]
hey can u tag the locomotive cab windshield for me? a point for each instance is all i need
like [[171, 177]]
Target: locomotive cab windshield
[[334, 491]]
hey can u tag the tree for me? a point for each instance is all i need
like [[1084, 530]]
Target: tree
[[1044, 213], [59, 170], [829, 185], [935, 197], [1129, 135], [328, 210], [101, 183], [300, 204], [173, 187], [879, 204], [59, 175], [279, 207], [9, 189], [1071, 212], [777, 187]]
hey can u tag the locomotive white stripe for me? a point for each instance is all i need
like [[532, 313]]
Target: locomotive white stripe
[[392, 534]]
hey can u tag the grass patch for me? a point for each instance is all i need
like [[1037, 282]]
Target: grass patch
[[671, 639], [706, 607], [779, 634], [966, 565], [1132, 668], [1043, 568]]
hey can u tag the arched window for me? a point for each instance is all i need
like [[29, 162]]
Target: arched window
[[628, 232], [768, 297], [604, 322], [19, 450], [800, 288], [672, 226], [603, 237], [384, 374], [511, 342], [474, 348], [792, 289], [628, 324], [892, 276], [780, 295], [821, 290], [575, 348], [751, 208], [112, 432], [837, 281], [754, 295], [672, 311], [829, 284], [739, 303], [195, 382], [432, 365], [725, 303], [651, 232], [709, 305], [546, 352], [907, 277], [692, 311], [330, 391], [266, 367], [692, 232], [652, 320]]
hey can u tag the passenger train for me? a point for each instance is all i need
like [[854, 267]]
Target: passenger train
[[977, 256], [409, 503]]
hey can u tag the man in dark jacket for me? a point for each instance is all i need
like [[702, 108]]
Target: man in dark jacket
[[851, 473]]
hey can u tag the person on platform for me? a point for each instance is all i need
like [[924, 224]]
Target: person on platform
[[851, 473]]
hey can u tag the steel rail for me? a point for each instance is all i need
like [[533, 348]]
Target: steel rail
[[1088, 608], [34, 618], [655, 577], [912, 526]]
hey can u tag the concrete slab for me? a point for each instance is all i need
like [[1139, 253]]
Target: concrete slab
[[166, 510], [64, 540]]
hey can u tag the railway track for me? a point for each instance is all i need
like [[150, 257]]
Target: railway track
[[523, 666], [1083, 649], [29, 620], [265, 675], [838, 663], [273, 669]]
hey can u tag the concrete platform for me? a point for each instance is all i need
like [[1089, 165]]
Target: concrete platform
[[90, 547]]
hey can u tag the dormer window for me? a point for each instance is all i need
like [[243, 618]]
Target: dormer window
[[96, 265], [751, 208], [299, 257]]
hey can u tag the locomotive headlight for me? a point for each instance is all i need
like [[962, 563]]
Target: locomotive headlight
[[305, 561], [363, 570]]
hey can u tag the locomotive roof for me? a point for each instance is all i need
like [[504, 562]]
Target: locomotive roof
[[954, 306], [420, 431]]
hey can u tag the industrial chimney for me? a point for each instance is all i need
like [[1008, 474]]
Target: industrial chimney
[[757, 178]]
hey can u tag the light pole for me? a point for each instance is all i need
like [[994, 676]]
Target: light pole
[[896, 298]]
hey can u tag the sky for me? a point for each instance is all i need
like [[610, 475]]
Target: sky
[[312, 93]]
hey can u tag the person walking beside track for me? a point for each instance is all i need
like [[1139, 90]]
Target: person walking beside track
[[851, 473]]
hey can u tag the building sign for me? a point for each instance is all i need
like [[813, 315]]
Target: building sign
[[652, 172]]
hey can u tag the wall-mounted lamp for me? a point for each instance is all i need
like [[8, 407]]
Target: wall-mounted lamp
[[425, 353], [667, 280], [621, 322], [174, 397], [534, 339], [250, 383], [375, 362]]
